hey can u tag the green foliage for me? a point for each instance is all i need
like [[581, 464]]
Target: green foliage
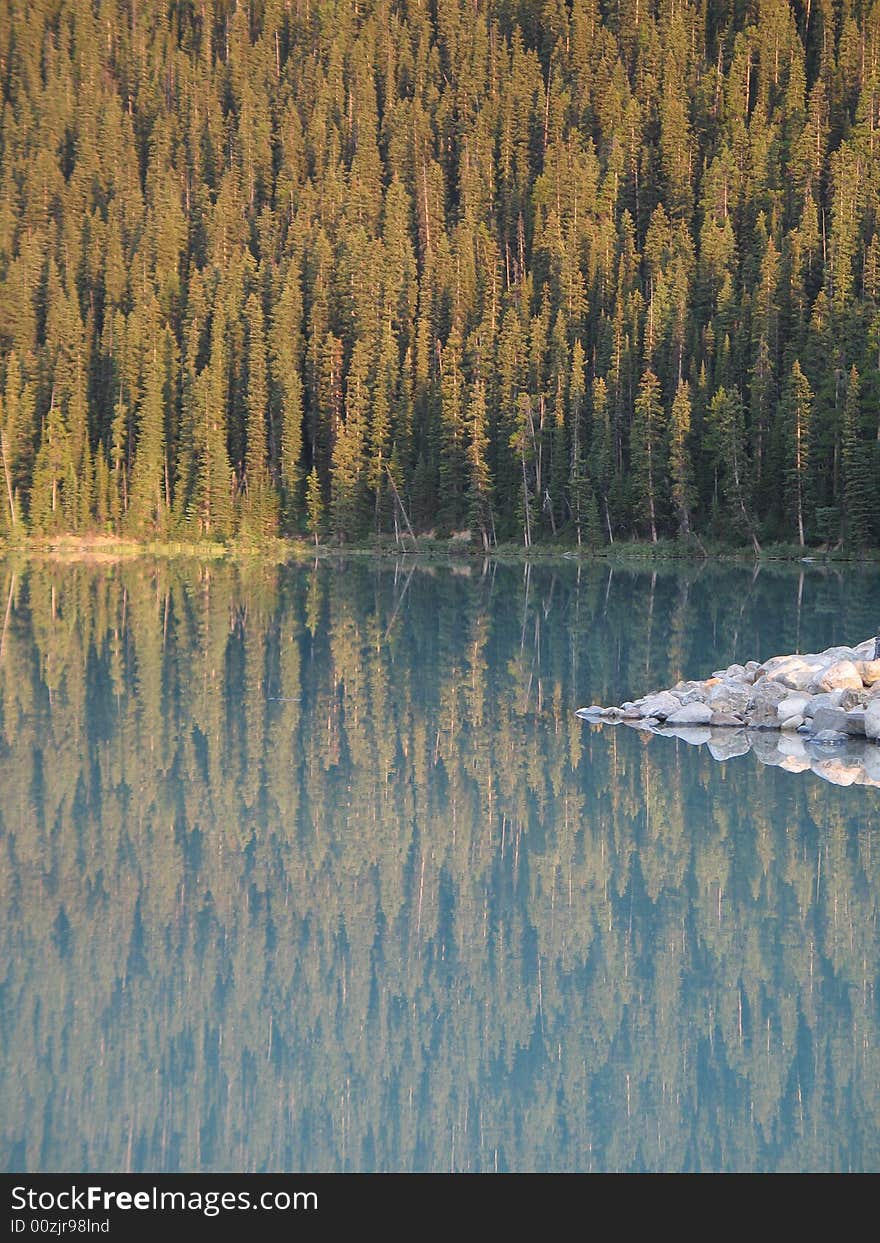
[[419, 202]]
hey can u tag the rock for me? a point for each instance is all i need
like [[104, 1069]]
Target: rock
[[792, 705], [872, 720], [594, 711], [869, 671], [726, 720], [730, 696], [792, 723], [829, 718], [693, 713], [660, 705], [796, 672], [850, 722], [842, 675], [830, 699], [763, 702]]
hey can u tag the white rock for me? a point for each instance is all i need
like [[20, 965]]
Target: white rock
[[691, 714], [660, 705], [842, 675], [872, 720], [792, 705], [870, 671], [830, 699]]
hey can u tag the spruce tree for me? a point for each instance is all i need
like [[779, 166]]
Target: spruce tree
[[648, 460]]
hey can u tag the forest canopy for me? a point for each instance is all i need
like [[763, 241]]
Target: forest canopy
[[562, 269]]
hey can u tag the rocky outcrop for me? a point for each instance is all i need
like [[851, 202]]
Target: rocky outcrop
[[794, 711]]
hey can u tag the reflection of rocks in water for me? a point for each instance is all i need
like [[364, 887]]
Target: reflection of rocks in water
[[847, 762]]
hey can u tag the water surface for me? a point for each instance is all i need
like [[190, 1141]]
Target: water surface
[[315, 868]]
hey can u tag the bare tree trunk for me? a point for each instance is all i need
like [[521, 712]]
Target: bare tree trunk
[[8, 481]]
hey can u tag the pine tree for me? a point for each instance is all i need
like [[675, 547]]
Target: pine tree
[[259, 518], [601, 458], [681, 472], [797, 430], [857, 488], [649, 467], [314, 504], [479, 482], [148, 496], [725, 440]]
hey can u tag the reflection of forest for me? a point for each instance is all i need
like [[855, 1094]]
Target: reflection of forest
[[317, 869]]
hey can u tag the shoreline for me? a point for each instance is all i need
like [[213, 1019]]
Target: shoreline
[[111, 548]]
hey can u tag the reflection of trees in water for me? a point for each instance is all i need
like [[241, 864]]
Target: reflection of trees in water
[[316, 868]]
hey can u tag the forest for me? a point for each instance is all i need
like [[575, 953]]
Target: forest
[[570, 270]]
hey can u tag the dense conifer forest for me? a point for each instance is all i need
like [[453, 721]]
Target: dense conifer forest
[[576, 270]]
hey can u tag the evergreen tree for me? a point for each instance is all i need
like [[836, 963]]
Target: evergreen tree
[[797, 431], [649, 467], [858, 492], [683, 492]]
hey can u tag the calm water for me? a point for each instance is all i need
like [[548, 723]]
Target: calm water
[[315, 868]]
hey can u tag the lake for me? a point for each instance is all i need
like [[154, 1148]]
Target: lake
[[314, 868]]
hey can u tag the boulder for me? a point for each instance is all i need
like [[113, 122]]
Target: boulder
[[792, 723], [763, 702], [792, 705], [730, 696], [695, 696], [839, 676], [726, 720], [829, 718], [693, 713], [830, 699], [796, 672], [869, 670], [660, 705], [852, 722], [872, 720]]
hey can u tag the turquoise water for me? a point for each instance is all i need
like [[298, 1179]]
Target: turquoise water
[[315, 868]]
